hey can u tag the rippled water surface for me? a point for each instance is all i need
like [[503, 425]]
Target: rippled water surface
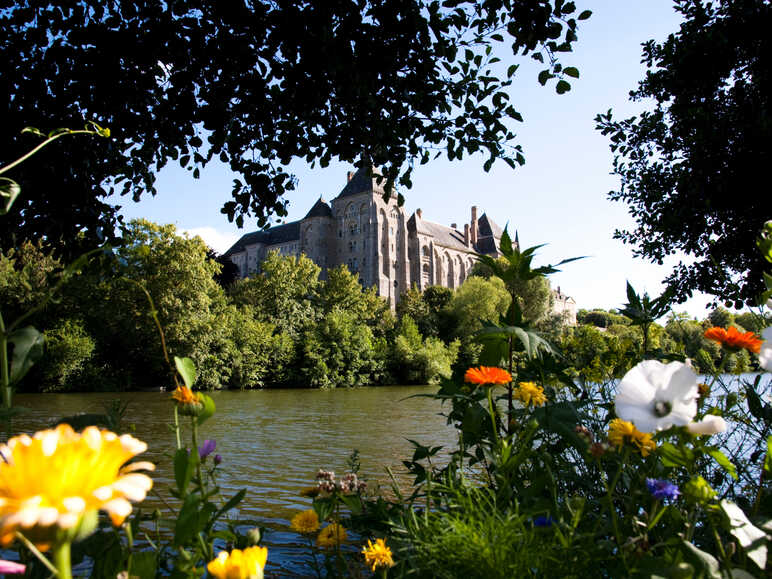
[[273, 442]]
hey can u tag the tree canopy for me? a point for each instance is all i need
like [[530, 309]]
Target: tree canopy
[[693, 169], [257, 84]]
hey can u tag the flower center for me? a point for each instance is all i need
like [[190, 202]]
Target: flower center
[[662, 408]]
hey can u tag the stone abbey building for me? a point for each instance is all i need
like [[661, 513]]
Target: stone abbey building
[[378, 241], [374, 238]]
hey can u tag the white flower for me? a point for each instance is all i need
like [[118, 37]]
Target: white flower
[[709, 425], [655, 396], [765, 353]]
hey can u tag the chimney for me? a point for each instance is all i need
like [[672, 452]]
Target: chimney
[[473, 226], [419, 213], [454, 225], [466, 234], [349, 175]]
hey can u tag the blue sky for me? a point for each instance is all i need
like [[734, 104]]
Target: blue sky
[[558, 197]]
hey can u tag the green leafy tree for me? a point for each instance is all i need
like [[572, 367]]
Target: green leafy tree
[[690, 168], [242, 352], [412, 303], [283, 293], [534, 295], [338, 351], [754, 321], [110, 298], [421, 360], [256, 85], [69, 349], [721, 317], [342, 290], [475, 301], [27, 274], [594, 356]]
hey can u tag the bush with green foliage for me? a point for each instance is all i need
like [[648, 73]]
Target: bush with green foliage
[[420, 360]]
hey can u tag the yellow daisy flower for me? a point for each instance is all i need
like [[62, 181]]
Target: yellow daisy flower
[[621, 431], [51, 480], [332, 535], [238, 564], [530, 393], [305, 522], [377, 554]]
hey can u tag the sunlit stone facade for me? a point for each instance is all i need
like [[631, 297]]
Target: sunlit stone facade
[[376, 239]]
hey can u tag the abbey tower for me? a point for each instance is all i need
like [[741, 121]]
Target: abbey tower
[[375, 238]]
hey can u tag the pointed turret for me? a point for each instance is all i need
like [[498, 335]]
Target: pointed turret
[[320, 209]]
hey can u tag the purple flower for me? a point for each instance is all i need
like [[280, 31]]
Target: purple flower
[[662, 489], [207, 448], [542, 521], [217, 459]]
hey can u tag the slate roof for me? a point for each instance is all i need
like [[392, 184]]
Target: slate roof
[[487, 234], [486, 245], [360, 183], [487, 227], [272, 236], [443, 236], [320, 209]]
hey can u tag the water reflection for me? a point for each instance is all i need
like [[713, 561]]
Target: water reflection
[[273, 442]]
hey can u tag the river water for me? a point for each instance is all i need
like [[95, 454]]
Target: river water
[[272, 443]]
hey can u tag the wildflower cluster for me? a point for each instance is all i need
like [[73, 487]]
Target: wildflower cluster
[[327, 485]]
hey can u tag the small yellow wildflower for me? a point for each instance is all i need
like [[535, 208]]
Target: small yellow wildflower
[[644, 442], [332, 535], [377, 554], [305, 522], [530, 393], [238, 564], [621, 431], [53, 479]]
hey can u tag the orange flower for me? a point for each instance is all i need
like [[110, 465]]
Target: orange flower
[[733, 339], [184, 395], [487, 375]]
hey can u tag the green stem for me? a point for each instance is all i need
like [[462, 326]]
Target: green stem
[[489, 392], [610, 499], [61, 553], [34, 550], [5, 379], [48, 141], [510, 404], [194, 431], [721, 550], [177, 427]]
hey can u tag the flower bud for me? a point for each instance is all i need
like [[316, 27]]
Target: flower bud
[[253, 537], [711, 424], [584, 433]]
